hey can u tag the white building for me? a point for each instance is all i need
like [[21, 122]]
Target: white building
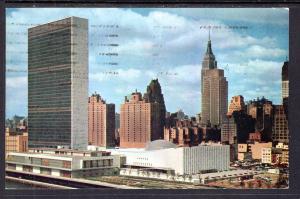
[[65, 163], [165, 156]]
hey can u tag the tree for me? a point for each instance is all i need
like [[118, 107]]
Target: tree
[[242, 183], [190, 178]]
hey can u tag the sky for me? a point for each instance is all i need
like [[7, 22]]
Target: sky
[[250, 44]]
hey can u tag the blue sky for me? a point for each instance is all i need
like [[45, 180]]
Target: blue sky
[[167, 40]]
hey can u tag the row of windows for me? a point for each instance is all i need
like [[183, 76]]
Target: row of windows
[[49, 54], [44, 49], [61, 76], [63, 31], [57, 78]]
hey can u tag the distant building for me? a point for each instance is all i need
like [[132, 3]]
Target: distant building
[[58, 84], [117, 119], [184, 136], [198, 118], [140, 122], [254, 137], [280, 125], [275, 156], [65, 163], [214, 90], [117, 129], [236, 104], [266, 155], [15, 142], [163, 156], [18, 123], [284, 152], [285, 80], [245, 125], [101, 120], [252, 151], [243, 152], [154, 95], [262, 111], [229, 131], [256, 149]]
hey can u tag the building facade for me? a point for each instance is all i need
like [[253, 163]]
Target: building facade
[[16, 142], [101, 120], [61, 163], [280, 125], [285, 80], [154, 95], [229, 131], [262, 110], [58, 84], [139, 122], [214, 90], [256, 149], [183, 136], [236, 104], [165, 156], [254, 137]]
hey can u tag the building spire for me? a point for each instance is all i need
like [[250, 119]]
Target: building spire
[[209, 61], [209, 50]]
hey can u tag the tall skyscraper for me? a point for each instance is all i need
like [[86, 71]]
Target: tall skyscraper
[[214, 90], [280, 125], [58, 84], [285, 80], [236, 104], [262, 111], [101, 122], [154, 94], [229, 130], [139, 122]]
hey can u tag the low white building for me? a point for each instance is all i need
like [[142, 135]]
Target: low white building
[[165, 156], [65, 163]]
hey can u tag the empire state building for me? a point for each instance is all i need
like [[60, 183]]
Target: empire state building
[[214, 90]]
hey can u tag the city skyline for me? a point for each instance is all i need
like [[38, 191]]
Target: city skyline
[[246, 54]]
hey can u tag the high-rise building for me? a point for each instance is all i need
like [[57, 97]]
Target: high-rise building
[[229, 131], [285, 80], [236, 104], [140, 122], [16, 141], [245, 125], [262, 111], [101, 119], [214, 90], [154, 94], [58, 84], [280, 125]]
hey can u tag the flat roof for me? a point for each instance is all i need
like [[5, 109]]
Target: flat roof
[[232, 173], [68, 150], [58, 156]]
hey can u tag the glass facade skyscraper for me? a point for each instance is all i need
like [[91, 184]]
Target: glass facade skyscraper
[[58, 84]]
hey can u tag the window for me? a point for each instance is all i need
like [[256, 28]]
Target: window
[[66, 164], [45, 162]]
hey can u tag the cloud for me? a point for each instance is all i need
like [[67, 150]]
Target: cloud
[[275, 16], [257, 51], [168, 41], [16, 82], [128, 75]]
